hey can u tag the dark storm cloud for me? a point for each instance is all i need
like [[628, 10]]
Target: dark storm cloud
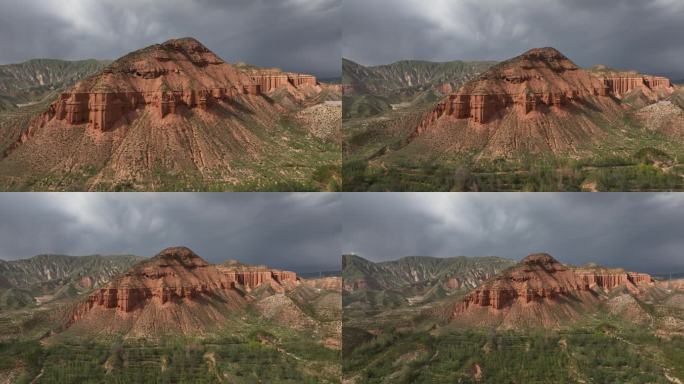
[[293, 231], [628, 34], [296, 35], [639, 231]]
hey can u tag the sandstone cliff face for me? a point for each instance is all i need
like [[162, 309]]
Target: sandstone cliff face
[[270, 80], [168, 78], [621, 83], [176, 274], [540, 278], [541, 81]]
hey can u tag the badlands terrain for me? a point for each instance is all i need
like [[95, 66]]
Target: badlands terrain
[[493, 320], [170, 318], [534, 122], [171, 116]]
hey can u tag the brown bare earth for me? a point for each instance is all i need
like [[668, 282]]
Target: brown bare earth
[[175, 116]]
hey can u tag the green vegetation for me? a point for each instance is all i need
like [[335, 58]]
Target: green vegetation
[[593, 355], [542, 176], [214, 360]]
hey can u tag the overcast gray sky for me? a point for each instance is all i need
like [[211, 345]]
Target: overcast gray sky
[[295, 231], [646, 35], [637, 231], [296, 35]]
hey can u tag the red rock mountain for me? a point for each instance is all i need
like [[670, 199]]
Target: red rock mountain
[[542, 291], [166, 78], [175, 290], [537, 101], [175, 109]]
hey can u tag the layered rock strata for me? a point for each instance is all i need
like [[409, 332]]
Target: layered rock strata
[[540, 80], [177, 75], [176, 274], [620, 84], [540, 277], [270, 80]]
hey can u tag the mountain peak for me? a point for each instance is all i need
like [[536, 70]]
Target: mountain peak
[[179, 256], [535, 59], [544, 53], [539, 259], [185, 42]]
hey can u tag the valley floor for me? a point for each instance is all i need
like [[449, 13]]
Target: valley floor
[[257, 351]]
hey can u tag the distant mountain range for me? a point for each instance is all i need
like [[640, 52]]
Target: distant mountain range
[[407, 74], [57, 276], [369, 91], [417, 278], [35, 79]]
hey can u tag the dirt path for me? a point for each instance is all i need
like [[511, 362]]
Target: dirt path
[[40, 374]]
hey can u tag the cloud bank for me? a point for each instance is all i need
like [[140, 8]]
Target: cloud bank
[[296, 35], [641, 35], [295, 231], [637, 231]]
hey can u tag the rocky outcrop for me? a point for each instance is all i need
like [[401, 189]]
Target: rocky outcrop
[[609, 279], [331, 283], [251, 277], [539, 277], [541, 80], [176, 274], [270, 80], [102, 110], [620, 84]]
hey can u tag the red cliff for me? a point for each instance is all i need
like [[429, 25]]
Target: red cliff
[[168, 78], [270, 79], [542, 80], [176, 274], [621, 83], [539, 277]]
